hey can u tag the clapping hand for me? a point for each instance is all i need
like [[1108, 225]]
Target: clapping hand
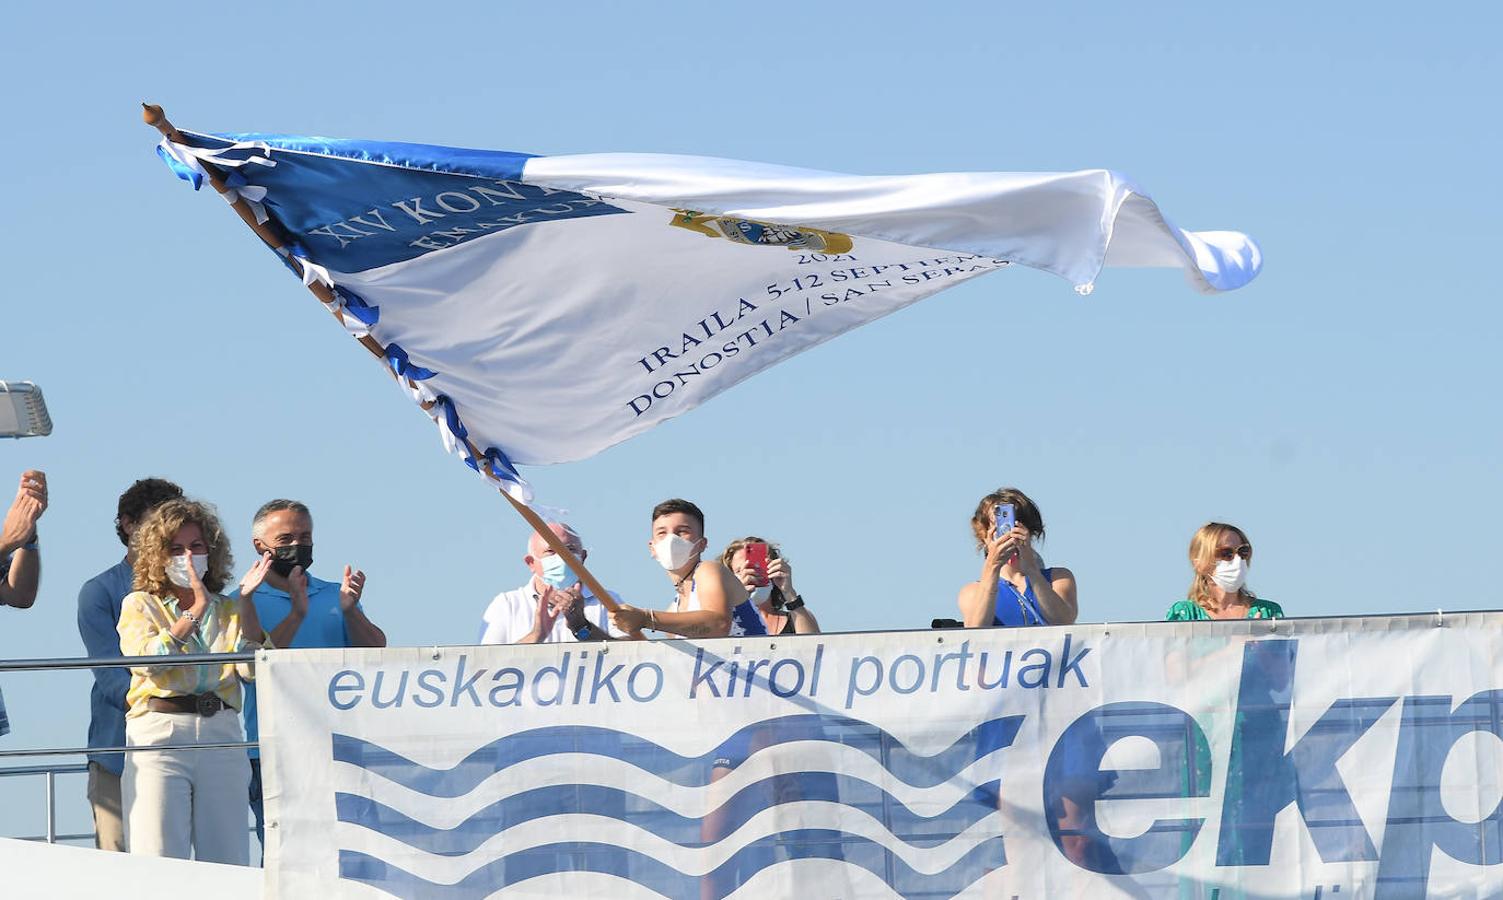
[[250, 623], [196, 585], [547, 611], [297, 591], [21, 519], [253, 579], [350, 589], [566, 601]]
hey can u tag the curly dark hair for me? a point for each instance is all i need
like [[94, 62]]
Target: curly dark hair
[[141, 498]]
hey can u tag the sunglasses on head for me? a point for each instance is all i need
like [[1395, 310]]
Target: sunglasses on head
[[1225, 554]]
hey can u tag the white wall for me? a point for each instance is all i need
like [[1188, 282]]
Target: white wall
[[56, 872]]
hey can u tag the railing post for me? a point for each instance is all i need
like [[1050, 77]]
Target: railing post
[[51, 807]]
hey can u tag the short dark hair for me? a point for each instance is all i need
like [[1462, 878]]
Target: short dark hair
[[669, 507], [278, 505], [141, 498], [1026, 512]]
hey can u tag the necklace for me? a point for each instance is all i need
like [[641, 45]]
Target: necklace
[[678, 590], [1029, 616]]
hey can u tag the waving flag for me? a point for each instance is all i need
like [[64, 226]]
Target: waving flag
[[545, 308]]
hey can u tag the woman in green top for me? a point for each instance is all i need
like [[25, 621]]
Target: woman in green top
[[1220, 555]]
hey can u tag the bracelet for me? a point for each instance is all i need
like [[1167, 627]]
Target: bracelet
[[192, 618], [31, 545], [796, 603], [652, 619]]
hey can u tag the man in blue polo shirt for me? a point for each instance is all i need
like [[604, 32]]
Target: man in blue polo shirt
[[298, 610]]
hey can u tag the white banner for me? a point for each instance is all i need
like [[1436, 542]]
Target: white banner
[[1312, 758]]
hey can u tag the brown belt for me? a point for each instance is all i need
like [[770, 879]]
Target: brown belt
[[205, 705]]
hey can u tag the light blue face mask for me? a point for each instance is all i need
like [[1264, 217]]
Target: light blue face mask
[[556, 572]]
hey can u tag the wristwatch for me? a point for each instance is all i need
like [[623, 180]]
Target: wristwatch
[[32, 544], [578, 623], [796, 603]]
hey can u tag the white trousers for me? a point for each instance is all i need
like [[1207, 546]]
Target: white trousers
[[177, 801]]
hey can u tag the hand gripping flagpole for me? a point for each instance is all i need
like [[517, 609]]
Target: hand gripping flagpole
[[269, 231]]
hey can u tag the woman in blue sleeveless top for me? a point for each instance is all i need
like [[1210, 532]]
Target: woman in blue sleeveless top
[[1014, 587]]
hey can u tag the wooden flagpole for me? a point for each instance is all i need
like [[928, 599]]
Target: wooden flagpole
[[273, 235]]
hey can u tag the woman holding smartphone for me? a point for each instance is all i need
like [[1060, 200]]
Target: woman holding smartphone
[[1015, 588], [1220, 555], [768, 578]]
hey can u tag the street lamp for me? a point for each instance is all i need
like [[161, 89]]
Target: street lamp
[[23, 412]]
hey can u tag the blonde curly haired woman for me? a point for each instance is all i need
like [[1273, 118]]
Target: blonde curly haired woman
[[178, 802], [1221, 554]]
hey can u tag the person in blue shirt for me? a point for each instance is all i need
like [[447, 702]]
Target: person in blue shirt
[[299, 610], [98, 613], [1015, 587]]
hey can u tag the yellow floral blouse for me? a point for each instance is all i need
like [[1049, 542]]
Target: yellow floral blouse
[[146, 630]]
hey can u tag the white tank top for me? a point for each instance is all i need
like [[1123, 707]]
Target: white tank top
[[745, 620], [690, 604]]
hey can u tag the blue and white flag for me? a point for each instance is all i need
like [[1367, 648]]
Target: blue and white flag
[[545, 308]]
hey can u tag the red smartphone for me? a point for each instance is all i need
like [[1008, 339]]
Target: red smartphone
[[756, 557]]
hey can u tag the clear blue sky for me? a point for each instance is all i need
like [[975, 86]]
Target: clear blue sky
[[1343, 409]]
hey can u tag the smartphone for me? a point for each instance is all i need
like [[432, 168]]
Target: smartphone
[[1007, 518], [23, 412], [756, 557]]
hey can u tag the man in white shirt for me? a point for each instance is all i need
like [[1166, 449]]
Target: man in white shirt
[[553, 605]]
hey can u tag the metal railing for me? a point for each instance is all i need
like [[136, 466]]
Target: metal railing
[[119, 662], [50, 771]]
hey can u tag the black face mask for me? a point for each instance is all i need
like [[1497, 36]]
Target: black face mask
[[285, 559]]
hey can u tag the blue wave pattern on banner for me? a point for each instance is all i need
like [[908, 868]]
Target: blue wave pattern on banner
[[688, 771], [659, 876], [906, 835], [912, 828]]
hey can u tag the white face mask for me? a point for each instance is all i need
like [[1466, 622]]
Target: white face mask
[[177, 569], [557, 573], [673, 552], [1230, 574], [761, 594]]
